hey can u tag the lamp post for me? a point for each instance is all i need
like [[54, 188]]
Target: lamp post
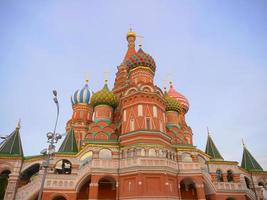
[[52, 139]]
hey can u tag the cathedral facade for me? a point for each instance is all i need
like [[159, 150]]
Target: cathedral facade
[[131, 142]]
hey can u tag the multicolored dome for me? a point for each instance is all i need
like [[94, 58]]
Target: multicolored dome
[[172, 104], [104, 97], [140, 58], [82, 96], [179, 97]]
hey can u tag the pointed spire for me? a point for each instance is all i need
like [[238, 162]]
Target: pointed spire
[[131, 36], [211, 149], [12, 146], [248, 161], [69, 144]]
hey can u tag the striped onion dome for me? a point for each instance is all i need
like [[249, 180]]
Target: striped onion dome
[[82, 96], [172, 104], [104, 97], [140, 58], [179, 97]]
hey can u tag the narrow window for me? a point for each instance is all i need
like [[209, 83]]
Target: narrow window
[[230, 176], [140, 110], [132, 125], [148, 125], [219, 175], [124, 115], [155, 111], [161, 126]]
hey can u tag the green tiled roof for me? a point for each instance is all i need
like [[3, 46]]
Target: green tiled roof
[[69, 144], [212, 150], [12, 146], [249, 162]]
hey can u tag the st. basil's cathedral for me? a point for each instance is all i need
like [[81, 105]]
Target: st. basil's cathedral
[[127, 143]]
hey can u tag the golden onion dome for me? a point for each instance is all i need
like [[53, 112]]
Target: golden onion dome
[[172, 104], [104, 97], [130, 34]]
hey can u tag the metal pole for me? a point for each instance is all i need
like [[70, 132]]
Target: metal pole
[[52, 139]]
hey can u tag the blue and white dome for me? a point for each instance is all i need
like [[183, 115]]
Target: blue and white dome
[[82, 96]]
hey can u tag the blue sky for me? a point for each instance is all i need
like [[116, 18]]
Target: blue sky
[[214, 51]]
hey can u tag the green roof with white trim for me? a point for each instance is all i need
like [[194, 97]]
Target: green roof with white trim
[[12, 146], [69, 144], [249, 162], [212, 150]]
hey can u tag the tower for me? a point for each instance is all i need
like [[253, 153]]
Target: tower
[[82, 113]]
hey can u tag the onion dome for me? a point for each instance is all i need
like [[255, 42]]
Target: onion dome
[[172, 104], [104, 97], [82, 96], [179, 97], [140, 58]]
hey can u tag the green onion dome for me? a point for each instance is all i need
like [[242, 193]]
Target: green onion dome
[[104, 97], [140, 58], [172, 104]]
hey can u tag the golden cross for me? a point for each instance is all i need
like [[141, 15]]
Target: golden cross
[[140, 37], [106, 75], [87, 77]]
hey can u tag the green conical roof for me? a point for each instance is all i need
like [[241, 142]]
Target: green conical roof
[[104, 97], [212, 150], [172, 104], [12, 146], [69, 144], [249, 162]]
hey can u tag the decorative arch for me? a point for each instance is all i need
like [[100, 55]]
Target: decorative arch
[[230, 175], [147, 88], [131, 91], [28, 173], [186, 157], [4, 176], [107, 188], [188, 188], [83, 187], [105, 154], [219, 175], [152, 152], [63, 166]]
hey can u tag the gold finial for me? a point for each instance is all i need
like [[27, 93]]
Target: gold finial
[[131, 33], [106, 75], [170, 83], [208, 130], [243, 143], [87, 78], [18, 125], [140, 37]]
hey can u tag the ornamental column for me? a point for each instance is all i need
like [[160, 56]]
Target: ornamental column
[[200, 191], [93, 191]]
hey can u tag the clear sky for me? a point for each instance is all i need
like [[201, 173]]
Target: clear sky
[[214, 51]]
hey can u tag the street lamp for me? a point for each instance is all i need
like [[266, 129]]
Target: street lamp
[[52, 139]]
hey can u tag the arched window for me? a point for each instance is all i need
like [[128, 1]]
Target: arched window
[[247, 182], [203, 165], [230, 198], [152, 153], [59, 198], [143, 152], [63, 167], [88, 156], [230, 177], [105, 154], [28, 174], [219, 175], [3, 182], [161, 153], [148, 125], [186, 157], [132, 124]]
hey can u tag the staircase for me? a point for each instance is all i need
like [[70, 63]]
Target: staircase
[[25, 192]]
